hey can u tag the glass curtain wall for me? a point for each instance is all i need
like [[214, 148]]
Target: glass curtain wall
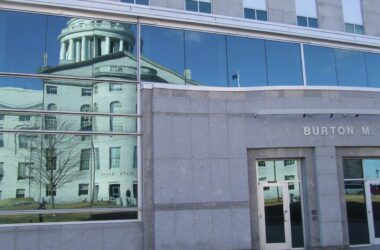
[[63, 145], [200, 58]]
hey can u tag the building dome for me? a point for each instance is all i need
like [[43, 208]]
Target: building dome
[[85, 39]]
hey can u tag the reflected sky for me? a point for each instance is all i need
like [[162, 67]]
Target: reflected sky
[[320, 65], [246, 56], [25, 83], [372, 168], [169, 53], [205, 56], [373, 66], [351, 68], [283, 63], [23, 41]]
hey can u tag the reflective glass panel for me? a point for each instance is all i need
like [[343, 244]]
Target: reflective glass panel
[[349, 28], [22, 42], [371, 169], [206, 62], [375, 202], [302, 21], [283, 63], [373, 66], [320, 65], [352, 169], [313, 22], [295, 207], [143, 2], [164, 63], [262, 15], [24, 93], [351, 68], [64, 171], [274, 214], [192, 5], [128, 1], [249, 13], [359, 29], [204, 7], [281, 170], [356, 212], [246, 59], [66, 217]]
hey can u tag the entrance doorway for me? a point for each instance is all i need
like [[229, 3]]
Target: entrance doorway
[[280, 209], [373, 207], [362, 195]]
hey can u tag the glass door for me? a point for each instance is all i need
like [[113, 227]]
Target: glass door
[[373, 205], [274, 216]]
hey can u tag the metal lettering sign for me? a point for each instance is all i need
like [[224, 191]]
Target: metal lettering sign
[[336, 130]]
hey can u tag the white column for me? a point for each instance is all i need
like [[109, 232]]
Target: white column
[[95, 47], [108, 44], [71, 50], [77, 51], [83, 56], [63, 51], [121, 45]]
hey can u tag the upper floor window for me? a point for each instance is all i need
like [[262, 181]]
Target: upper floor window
[[1, 117], [85, 120], [260, 15], [143, 2], [86, 92], [306, 11], [1, 171], [352, 16], [203, 6], [85, 159], [20, 193], [83, 189], [115, 157], [307, 21], [115, 87], [24, 118], [1, 140], [354, 28], [255, 9], [51, 90]]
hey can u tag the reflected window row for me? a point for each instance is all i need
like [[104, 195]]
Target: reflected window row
[[74, 123], [63, 171]]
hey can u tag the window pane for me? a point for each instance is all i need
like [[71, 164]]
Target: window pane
[[320, 65], [359, 29], [49, 218], [352, 169], [128, 1], [349, 27], [144, 2], [192, 5], [22, 42], [302, 21], [246, 56], [28, 172], [249, 13], [313, 22], [356, 212], [262, 15], [204, 7], [351, 68], [284, 63], [373, 66], [205, 58], [371, 169], [167, 60]]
